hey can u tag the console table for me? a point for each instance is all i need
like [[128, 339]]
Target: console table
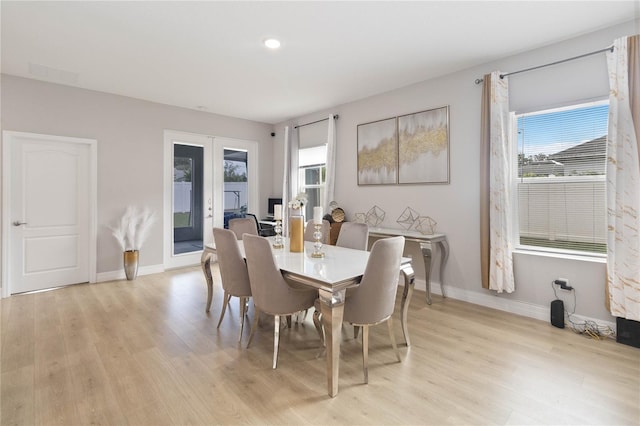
[[426, 244]]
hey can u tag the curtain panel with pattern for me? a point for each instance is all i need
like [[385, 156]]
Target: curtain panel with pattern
[[623, 179], [496, 193]]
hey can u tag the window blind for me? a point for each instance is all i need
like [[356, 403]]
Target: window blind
[[312, 156], [561, 178], [314, 134]]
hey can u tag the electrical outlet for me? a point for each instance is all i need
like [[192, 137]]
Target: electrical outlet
[[563, 283]]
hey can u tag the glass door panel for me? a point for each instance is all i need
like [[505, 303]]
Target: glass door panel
[[187, 198], [236, 184]]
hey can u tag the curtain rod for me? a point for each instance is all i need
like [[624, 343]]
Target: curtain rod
[[317, 121], [610, 48]]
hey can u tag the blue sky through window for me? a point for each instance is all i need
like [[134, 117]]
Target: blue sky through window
[[551, 131]]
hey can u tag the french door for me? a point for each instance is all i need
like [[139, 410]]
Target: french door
[[194, 199]]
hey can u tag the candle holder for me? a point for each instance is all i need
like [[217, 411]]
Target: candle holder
[[278, 240], [317, 235]]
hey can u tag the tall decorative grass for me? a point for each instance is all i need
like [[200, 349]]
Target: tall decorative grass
[[133, 227]]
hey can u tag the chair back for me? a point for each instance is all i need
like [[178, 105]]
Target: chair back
[[353, 235], [233, 269], [245, 225], [374, 299], [263, 231], [271, 293], [311, 229]]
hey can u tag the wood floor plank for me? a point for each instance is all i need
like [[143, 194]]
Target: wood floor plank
[[17, 404], [92, 390], [17, 349], [52, 376], [144, 352], [180, 402]]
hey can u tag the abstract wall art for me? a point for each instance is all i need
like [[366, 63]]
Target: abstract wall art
[[423, 147], [378, 153]]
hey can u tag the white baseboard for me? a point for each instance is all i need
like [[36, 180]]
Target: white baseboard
[[488, 300], [120, 275]]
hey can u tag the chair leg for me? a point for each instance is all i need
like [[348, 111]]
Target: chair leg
[[393, 338], [225, 302], [356, 330], [254, 327], [288, 321], [317, 321], [276, 339], [243, 311], [365, 352]]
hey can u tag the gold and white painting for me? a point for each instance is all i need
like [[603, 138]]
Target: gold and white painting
[[378, 153], [423, 147]]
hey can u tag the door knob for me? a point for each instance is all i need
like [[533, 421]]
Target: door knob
[[18, 223]]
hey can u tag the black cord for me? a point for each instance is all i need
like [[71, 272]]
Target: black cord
[[588, 327]]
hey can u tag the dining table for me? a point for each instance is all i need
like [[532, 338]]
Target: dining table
[[331, 274]]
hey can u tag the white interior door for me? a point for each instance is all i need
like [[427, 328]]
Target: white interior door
[[49, 211]]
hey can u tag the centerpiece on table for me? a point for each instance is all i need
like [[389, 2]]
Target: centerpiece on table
[[131, 231], [296, 223]]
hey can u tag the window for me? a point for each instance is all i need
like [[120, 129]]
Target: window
[[561, 178], [312, 175]]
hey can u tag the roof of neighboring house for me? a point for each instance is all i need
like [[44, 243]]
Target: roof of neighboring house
[[542, 168], [594, 147]]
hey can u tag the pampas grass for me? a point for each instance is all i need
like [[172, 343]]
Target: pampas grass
[[133, 228]]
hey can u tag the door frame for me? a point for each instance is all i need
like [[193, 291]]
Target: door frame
[[9, 139]]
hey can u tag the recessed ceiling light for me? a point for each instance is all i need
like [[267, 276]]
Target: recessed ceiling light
[[272, 43]]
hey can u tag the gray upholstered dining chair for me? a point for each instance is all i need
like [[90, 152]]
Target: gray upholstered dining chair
[[244, 225], [233, 271], [373, 300], [271, 293], [310, 229], [353, 235]]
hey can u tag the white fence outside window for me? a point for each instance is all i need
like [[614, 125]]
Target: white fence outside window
[[563, 208], [235, 196]]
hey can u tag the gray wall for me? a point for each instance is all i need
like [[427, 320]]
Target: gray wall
[[456, 206], [130, 147]]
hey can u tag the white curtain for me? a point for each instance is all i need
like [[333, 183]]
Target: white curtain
[[623, 179], [330, 178], [290, 174], [500, 183]]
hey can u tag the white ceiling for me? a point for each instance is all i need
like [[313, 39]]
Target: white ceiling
[[208, 55]]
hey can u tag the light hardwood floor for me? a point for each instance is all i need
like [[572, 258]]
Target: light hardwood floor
[[144, 352]]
